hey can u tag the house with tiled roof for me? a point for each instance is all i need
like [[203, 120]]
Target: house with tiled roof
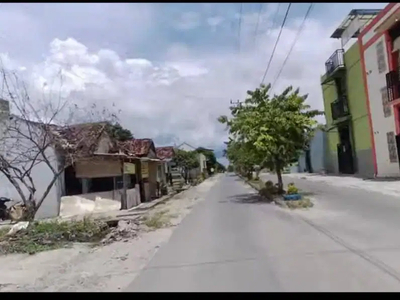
[[166, 154], [98, 167], [90, 163], [150, 164]]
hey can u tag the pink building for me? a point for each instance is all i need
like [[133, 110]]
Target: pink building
[[379, 44]]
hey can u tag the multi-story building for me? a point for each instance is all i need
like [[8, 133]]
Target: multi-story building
[[379, 43], [349, 148]]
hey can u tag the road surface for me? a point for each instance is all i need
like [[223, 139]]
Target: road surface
[[233, 243]]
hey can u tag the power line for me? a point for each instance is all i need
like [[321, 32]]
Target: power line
[[276, 43], [294, 42], [240, 25], [258, 22], [274, 20]]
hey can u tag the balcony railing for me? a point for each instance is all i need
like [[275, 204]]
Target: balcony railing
[[393, 85], [339, 108], [335, 62]]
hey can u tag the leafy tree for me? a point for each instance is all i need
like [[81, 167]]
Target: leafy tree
[[186, 159], [279, 127], [210, 156], [219, 168], [244, 156], [119, 133]]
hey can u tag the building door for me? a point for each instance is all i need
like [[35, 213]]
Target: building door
[[309, 168], [345, 151]]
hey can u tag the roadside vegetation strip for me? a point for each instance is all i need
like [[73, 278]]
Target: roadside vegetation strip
[[43, 236], [267, 192]]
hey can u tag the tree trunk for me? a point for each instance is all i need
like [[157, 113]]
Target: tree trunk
[[258, 171], [278, 170], [30, 211]]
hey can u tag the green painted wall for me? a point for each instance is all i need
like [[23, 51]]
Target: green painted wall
[[357, 103], [357, 99], [330, 95]]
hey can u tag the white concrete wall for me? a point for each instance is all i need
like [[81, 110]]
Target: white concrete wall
[[41, 173], [380, 125], [202, 162]]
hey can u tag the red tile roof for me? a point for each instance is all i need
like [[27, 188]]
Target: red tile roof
[[78, 139], [136, 147], [165, 152]]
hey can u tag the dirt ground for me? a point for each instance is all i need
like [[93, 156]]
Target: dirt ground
[[107, 268]]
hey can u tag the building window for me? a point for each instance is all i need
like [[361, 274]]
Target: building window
[[391, 140], [380, 54], [387, 110]]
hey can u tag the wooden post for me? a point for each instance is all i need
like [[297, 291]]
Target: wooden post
[[139, 179], [124, 204]]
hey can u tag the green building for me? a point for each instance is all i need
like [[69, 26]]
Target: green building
[[348, 145]]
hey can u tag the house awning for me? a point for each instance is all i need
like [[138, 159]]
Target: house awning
[[150, 159]]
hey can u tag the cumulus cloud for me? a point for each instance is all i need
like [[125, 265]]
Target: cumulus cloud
[[179, 97]]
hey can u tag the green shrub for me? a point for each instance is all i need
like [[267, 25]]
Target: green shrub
[[292, 189]]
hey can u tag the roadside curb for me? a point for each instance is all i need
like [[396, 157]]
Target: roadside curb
[[150, 205]]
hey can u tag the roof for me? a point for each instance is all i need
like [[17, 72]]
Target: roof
[[194, 148], [204, 149], [137, 147], [165, 152], [364, 14], [184, 143], [81, 139]]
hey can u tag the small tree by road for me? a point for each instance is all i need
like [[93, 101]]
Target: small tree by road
[[277, 127], [186, 160]]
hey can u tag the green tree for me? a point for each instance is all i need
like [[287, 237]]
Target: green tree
[[278, 127], [219, 168], [119, 133], [244, 156], [211, 161], [186, 159]]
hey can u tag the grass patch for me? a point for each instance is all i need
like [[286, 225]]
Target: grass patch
[[43, 236], [157, 219], [296, 204]]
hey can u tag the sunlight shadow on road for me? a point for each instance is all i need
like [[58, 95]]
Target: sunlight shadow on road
[[249, 198]]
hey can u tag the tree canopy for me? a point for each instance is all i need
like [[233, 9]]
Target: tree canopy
[[119, 133], [269, 131], [211, 159], [186, 159]]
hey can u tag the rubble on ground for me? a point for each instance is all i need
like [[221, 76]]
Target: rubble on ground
[[121, 230]]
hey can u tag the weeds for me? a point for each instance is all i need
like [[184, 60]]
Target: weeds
[[296, 204], [157, 220], [42, 236]]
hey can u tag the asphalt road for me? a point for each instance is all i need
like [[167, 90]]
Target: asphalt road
[[233, 243]]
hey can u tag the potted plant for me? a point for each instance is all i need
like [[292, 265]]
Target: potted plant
[[292, 193]]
